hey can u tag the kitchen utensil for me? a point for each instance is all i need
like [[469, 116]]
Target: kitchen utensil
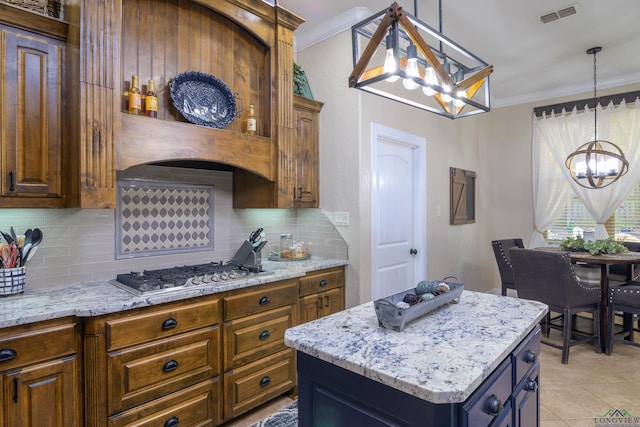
[[255, 236], [25, 253], [7, 237], [27, 236], [9, 255], [32, 252], [14, 236], [36, 236]]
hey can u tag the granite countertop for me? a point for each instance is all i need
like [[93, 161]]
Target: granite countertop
[[441, 357], [88, 299]]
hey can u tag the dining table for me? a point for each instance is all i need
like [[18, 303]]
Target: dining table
[[604, 261]]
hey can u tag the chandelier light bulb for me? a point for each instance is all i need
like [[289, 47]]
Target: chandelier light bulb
[[458, 102], [430, 78], [445, 96], [390, 64], [412, 68]]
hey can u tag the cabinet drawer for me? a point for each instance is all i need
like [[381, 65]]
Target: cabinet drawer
[[160, 323], [250, 338], [35, 343], [198, 405], [256, 383], [526, 355], [491, 399], [260, 300], [140, 374], [318, 282]]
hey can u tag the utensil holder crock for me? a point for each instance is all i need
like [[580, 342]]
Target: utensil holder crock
[[12, 280]]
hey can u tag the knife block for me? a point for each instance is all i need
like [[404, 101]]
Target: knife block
[[247, 254]]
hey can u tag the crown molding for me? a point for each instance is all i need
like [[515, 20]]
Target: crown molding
[[307, 38]]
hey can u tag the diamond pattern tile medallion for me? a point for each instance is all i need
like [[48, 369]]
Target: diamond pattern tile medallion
[[160, 218]]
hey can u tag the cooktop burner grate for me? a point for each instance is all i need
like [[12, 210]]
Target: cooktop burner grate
[[173, 278]]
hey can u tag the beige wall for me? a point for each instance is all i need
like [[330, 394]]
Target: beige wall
[[496, 145]]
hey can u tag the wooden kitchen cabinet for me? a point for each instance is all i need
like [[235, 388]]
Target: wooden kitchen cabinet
[[155, 363], [258, 365], [306, 152], [31, 66], [321, 294], [39, 369]]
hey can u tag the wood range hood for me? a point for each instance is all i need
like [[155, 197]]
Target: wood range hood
[[247, 44]]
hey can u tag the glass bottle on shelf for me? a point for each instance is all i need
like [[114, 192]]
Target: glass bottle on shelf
[[135, 98], [151, 101], [250, 122]]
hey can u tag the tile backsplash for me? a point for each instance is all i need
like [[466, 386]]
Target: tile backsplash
[[80, 244]]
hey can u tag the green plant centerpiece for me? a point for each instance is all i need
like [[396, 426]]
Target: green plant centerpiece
[[598, 247]]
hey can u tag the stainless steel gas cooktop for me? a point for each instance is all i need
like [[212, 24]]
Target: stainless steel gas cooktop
[[170, 279]]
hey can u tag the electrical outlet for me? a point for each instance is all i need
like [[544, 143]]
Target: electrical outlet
[[341, 218]]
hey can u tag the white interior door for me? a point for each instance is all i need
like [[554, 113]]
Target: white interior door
[[398, 217]]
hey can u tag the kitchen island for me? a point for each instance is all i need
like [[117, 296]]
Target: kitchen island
[[472, 363]]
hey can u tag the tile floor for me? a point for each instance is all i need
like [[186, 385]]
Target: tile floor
[[571, 395]]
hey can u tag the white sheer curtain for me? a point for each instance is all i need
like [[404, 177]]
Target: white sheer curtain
[[555, 137]]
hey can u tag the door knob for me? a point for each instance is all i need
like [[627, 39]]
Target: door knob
[[413, 251]]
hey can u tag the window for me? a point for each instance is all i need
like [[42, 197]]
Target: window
[[575, 220]]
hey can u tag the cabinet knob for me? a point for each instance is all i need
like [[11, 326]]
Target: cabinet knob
[[264, 301], [264, 335], [172, 422], [265, 381], [495, 405], [530, 356], [7, 354], [170, 323], [323, 283], [531, 385], [170, 365]]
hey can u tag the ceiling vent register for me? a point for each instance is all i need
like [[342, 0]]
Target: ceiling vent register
[[559, 13]]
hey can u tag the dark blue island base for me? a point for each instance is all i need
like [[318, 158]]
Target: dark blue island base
[[330, 396]]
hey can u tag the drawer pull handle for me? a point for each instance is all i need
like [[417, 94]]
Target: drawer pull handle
[[264, 301], [530, 356], [265, 381], [531, 385], [323, 283], [7, 354], [170, 365], [15, 389], [12, 180], [495, 405], [264, 335], [172, 422], [170, 323]]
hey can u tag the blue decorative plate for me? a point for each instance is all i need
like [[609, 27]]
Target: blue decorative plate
[[203, 99]]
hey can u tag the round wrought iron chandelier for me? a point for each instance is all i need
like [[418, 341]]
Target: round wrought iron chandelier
[[598, 163]]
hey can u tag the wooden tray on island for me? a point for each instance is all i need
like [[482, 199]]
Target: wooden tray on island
[[390, 316]]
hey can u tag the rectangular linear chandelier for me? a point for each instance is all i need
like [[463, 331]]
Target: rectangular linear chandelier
[[454, 82]]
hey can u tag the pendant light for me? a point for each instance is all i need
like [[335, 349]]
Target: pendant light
[[598, 163], [455, 82]]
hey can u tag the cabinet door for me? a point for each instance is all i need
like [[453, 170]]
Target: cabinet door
[[310, 308], [306, 177], [315, 306], [42, 395], [527, 408], [32, 69], [331, 301]]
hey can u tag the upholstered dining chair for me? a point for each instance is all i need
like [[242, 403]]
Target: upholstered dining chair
[[548, 277], [626, 299], [501, 250]]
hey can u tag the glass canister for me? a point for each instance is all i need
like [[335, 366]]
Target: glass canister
[[286, 245]]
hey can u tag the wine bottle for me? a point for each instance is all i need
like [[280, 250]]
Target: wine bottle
[[250, 122], [151, 101], [135, 98]]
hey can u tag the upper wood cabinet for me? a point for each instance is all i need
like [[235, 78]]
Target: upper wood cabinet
[[306, 184], [31, 65], [248, 44]]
